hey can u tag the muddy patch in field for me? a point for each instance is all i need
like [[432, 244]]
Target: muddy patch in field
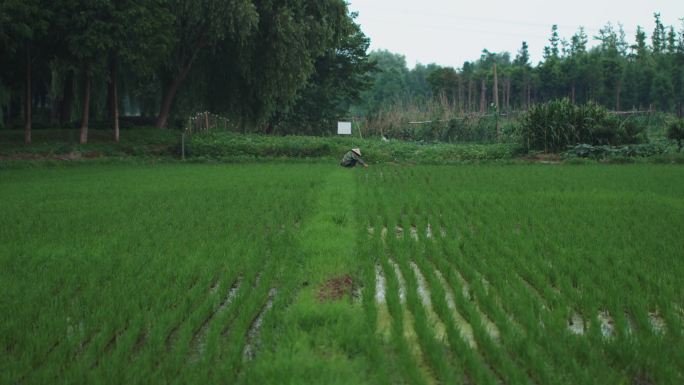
[[657, 322], [115, 337], [335, 288], [399, 231], [252, 344], [109, 346], [214, 286], [414, 232], [607, 323], [428, 232], [643, 379], [140, 341], [384, 319], [380, 286], [576, 324]]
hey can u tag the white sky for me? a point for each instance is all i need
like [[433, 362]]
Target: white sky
[[451, 32]]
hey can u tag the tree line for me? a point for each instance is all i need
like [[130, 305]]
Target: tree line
[[293, 66], [261, 63], [646, 75]]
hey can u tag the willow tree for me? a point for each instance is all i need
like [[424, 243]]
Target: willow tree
[[339, 76], [201, 25]]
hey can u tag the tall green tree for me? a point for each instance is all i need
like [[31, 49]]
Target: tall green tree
[[575, 64], [139, 41], [340, 75], [87, 27], [201, 25], [611, 51], [24, 25], [658, 38], [549, 70], [390, 81]]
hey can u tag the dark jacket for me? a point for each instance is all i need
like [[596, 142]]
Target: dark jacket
[[350, 159]]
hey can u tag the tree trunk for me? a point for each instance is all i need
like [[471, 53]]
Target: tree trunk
[[471, 85], [496, 89], [172, 89], [508, 94], [572, 92], [67, 100], [483, 96], [114, 99], [460, 95], [8, 116], [617, 95], [86, 105], [29, 97]]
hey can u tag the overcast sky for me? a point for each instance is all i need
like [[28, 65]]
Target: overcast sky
[[451, 32]]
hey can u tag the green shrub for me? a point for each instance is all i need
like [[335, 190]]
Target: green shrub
[[627, 151], [675, 131], [227, 145], [553, 126]]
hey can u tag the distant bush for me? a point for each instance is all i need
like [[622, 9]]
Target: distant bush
[[675, 131], [627, 151], [553, 126], [228, 146]]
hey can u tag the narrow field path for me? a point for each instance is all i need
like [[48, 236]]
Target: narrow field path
[[326, 338]]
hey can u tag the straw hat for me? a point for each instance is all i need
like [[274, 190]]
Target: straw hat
[[357, 151]]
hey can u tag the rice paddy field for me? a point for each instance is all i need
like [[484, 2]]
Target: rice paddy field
[[313, 274]]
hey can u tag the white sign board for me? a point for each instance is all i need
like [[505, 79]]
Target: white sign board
[[343, 128]]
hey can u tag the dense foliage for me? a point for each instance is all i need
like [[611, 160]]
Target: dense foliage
[[613, 73], [228, 146], [553, 126], [259, 62], [675, 131]]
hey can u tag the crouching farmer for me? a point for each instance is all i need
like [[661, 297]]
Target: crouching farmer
[[352, 157]]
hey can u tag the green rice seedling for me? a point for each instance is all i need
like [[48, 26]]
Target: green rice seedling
[[107, 263], [431, 348]]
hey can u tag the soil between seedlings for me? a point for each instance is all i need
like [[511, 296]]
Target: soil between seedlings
[[335, 288]]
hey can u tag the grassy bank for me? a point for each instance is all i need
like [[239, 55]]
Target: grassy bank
[[149, 144]]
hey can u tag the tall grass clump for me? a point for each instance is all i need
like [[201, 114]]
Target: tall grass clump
[[553, 126]]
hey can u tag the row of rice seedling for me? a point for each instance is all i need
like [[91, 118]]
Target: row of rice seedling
[[162, 281], [468, 274], [547, 258]]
